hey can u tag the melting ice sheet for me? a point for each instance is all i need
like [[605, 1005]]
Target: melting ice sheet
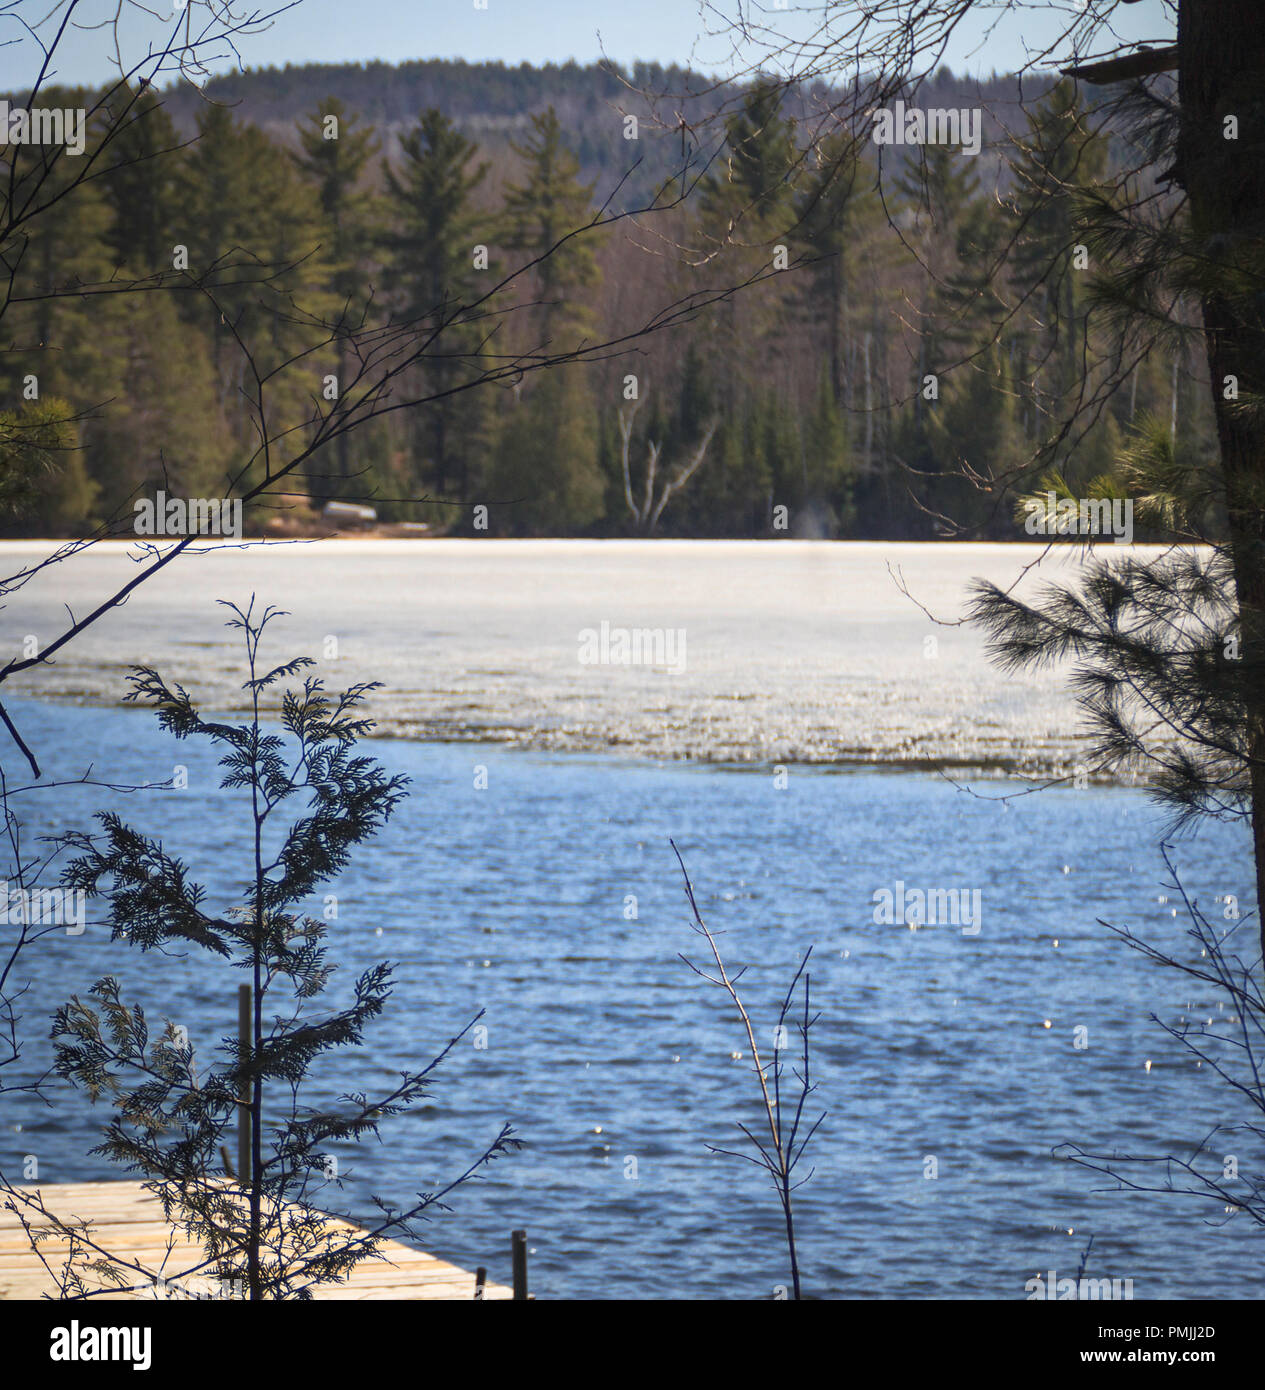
[[715, 651]]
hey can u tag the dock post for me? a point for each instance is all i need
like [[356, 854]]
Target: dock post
[[518, 1243], [480, 1280], [245, 1034]]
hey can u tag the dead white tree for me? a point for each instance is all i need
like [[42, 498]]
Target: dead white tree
[[646, 514]]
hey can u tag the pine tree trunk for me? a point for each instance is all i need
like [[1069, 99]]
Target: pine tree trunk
[[1221, 53]]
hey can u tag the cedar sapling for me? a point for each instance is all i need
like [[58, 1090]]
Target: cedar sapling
[[171, 1119]]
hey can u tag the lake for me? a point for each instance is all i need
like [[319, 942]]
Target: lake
[[792, 760]]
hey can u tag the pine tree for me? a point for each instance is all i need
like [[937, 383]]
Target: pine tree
[[551, 204], [1061, 160], [163, 424], [141, 186], [430, 255], [333, 157], [745, 202], [938, 186], [972, 436], [1166, 651], [44, 485], [252, 228], [214, 220], [748, 194], [547, 453], [837, 214], [431, 242], [59, 249], [546, 479], [826, 474]]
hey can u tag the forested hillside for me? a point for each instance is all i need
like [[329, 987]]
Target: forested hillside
[[885, 379], [493, 104]]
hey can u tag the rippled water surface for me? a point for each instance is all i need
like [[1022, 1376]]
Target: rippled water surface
[[603, 1048], [804, 663]]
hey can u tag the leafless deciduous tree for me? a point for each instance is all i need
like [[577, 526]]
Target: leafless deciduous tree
[[646, 512], [779, 1152]]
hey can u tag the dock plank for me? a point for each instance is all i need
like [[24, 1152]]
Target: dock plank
[[127, 1219]]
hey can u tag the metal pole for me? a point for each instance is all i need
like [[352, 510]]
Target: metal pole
[[245, 1032], [518, 1244]]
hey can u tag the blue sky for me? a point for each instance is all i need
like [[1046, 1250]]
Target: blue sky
[[515, 31]]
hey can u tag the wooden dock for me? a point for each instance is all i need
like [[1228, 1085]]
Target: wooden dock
[[127, 1220]]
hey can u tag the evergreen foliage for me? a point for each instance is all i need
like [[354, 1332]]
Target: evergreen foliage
[[173, 1114]]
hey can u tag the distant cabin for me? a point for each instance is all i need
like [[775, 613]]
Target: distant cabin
[[349, 514]]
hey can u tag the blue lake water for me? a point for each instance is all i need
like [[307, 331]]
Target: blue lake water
[[603, 1047]]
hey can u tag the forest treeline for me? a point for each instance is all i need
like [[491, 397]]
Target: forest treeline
[[911, 364]]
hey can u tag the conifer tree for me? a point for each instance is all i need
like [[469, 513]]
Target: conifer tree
[[826, 471], [334, 153], [744, 203], [44, 486], [937, 187], [214, 224], [551, 204], [430, 254], [171, 1114], [1060, 161], [141, 185], [547, 452], [748, 194], [546, 479], [163, 424], [252, 229], [837, 216], [432, 238], [60, 247]]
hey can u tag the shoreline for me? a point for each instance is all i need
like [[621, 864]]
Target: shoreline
[[382, 536]]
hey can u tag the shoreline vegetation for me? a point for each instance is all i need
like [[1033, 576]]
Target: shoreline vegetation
[[414, 531], [812, 405]]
